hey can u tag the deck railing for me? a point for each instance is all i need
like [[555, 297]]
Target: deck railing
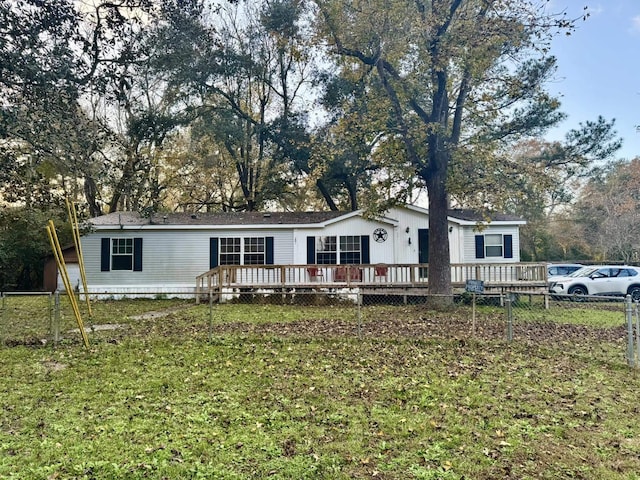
[[378, 275]]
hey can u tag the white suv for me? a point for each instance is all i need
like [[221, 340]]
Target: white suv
[[613, 280]]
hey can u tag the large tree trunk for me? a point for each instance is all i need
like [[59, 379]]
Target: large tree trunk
[[90, 194], [439, 254], [326, 195]]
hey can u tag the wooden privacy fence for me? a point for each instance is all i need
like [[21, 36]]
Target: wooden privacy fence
[[496, 276]]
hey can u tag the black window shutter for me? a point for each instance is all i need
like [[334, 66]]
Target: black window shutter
[[508, 246], [479, 246], [365, 249], [213, 252], [105, 255], [268, 246], [137, 254]]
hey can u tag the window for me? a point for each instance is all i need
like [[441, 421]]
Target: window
[[122, 254], [627, 272], [254, 251], [332, 250], [230, 251], [326, 249], [350, 249], [241, 251], [493, 245]]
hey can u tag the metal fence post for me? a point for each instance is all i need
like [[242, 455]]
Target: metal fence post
[[629, 312], [56, 318], [2, 319], [51, 316], [637, 309], [473, 313], [359, 313], [509, 308], [210, 315]]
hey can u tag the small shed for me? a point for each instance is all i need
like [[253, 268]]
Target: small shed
[[52, 278]]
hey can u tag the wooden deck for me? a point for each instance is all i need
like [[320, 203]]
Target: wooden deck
[[497, 277]]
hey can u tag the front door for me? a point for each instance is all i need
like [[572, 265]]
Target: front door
[[423, 249]]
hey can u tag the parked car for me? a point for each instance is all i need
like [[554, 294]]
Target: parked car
[[561, 269], [611, 280]]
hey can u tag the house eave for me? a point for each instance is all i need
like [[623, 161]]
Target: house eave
[[165, 227], [495, 223], [262, 226]]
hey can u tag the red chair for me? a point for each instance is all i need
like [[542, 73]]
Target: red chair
[[381, 271], [315, 273], [343, 274]]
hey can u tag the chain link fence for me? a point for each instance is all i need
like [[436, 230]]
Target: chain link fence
[[28, 318], [509, 317], [573, 319], [35, 318], [44, 319], [536, 315], [535, 318]]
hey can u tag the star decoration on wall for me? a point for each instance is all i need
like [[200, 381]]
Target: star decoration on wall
[[380, 235]]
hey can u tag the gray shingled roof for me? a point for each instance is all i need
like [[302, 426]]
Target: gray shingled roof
[[258, 218], [473, 216], [219, 218]]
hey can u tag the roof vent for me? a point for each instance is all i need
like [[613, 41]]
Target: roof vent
[[266, 215], [194, 216]]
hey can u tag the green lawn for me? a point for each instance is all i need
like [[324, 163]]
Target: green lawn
[[310, 392]]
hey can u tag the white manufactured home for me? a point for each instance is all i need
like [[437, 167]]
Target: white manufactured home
[[125, 253]]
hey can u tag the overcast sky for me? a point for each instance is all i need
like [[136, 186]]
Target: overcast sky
[[598, 68]]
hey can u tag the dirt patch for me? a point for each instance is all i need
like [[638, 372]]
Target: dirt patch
[[160, 313], [100, 328], [52, 366], [26, 342]]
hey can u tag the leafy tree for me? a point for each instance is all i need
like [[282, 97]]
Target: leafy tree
[[608, 211], [537, 179], [55, 58], [352, 149], [464, 78], [24, 245], [247, 81], [38, 84], [146, 113], [200, 175], [566, 238], [48, 150], [35, 56]]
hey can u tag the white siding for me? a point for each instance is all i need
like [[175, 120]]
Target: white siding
[[470, 244], [380, 252], [401, 246], [413, 221], [171, 258], [282, 242]]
